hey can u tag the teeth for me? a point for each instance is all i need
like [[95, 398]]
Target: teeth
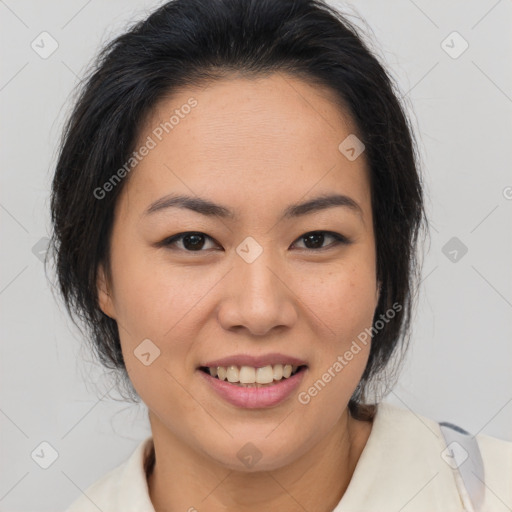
[[264, 375], [278, 371], [247, 375], [233, 374]]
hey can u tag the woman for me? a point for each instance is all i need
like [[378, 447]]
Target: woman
[[236, 212]]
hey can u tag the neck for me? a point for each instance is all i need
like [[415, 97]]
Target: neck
[[183, 479]]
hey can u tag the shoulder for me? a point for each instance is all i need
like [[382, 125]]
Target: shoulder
[[123, 488], [497, 460], [497, 450], [413, 432], [99, 494]]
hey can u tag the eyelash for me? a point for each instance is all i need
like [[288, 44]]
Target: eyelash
[[339, 240]]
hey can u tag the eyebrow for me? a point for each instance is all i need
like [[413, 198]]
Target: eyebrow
[[211, 209]]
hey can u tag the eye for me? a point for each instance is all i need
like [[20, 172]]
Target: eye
[[194, 241], [317, 238]]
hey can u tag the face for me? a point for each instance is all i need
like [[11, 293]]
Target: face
[[253, 282]]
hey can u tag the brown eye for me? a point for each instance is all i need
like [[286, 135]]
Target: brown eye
[[314, 240], [195, 241], [192, 241]]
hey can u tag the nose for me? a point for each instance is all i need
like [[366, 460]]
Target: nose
[[257, 297]]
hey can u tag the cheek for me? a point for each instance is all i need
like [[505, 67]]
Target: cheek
[[344, 298], [153, 296], [345, 302]]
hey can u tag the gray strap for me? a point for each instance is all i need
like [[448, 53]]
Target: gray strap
[[464, 457]]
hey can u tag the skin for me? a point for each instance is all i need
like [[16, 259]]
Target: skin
[[254, 146]]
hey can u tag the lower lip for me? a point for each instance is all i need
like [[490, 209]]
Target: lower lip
[[255, 398]]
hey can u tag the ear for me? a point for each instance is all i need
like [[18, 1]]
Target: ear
[[104, 294]]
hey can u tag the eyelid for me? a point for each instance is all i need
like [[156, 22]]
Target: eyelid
[[170, 242], [338, 237]]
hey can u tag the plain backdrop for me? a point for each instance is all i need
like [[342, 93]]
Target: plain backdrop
[[460, 360]]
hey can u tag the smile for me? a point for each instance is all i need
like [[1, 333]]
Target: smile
[[249, 376], [253, 395]]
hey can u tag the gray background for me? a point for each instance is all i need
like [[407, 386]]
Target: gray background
[[460, 360]]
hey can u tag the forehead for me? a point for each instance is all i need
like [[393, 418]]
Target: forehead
[[247, 141]]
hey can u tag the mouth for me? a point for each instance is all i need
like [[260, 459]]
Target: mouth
[[252, 377]]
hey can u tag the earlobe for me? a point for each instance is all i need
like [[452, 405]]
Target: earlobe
[[377, 294], [104, 295]]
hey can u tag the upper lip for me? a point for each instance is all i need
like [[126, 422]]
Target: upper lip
[[255, 361]]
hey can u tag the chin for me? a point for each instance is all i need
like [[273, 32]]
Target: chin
[[249, 456]]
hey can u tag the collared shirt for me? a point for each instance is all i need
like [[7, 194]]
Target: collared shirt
[[400, 470]]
